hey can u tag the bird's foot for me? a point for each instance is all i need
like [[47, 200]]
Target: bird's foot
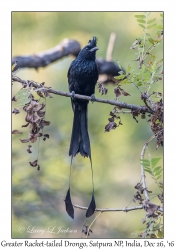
[[93, 99], [72, 95]]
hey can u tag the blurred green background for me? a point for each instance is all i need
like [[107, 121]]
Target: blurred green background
[[38, 196]]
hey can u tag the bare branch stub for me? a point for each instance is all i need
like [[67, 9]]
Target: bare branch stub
[[110, 46]]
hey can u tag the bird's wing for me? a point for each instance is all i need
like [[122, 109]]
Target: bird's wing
[[68, 73], [96, 73], [71, 84]]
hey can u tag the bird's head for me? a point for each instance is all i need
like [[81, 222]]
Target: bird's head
[[89, 51]]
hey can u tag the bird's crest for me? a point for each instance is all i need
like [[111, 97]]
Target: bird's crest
[[93, 42]]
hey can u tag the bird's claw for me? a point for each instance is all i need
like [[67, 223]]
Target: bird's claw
[[93, 99], [72, 95]]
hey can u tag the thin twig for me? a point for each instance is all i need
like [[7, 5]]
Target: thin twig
[[148, 105], [142, 168], [92, 224], [147, 51], [124, 112], [58, 92], [136, 87], [115, 209]]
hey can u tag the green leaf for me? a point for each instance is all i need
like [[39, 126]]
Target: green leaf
[[157, 226], [160, 234], [160, 61], [154, 161], [152, 56], [141, 25], [140, 16], [161, 184], [151, 21], [161, 15], [147, 168], [141, 21], [149, 171], [151, 26], [158, 33], [128, 70], [144, 160], [151, 232], [139, 84], [157, 168], [160, 27], [151, 40], [22, 97], [119, 77], [146, 165], [159, 172], [148, 34], [158, 177], [126, 81]]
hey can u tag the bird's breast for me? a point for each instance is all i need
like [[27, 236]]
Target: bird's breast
[[84, 76], [85, 69]]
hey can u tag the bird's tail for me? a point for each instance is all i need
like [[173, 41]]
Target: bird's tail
[[80, 142]]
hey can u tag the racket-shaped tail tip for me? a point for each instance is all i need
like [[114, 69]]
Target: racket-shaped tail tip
[[91, 208], [69, 205]]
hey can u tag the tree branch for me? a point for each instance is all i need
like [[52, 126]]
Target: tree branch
[[65, 48], [42, 59], [115, 209], [41, 88]]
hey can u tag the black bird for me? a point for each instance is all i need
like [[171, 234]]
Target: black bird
[[82, 78]]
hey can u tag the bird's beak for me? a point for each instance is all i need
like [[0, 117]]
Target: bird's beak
[[94, 49]]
